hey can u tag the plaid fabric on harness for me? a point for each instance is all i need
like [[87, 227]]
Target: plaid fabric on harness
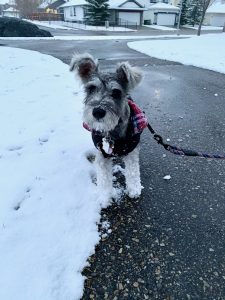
[[137, 117]]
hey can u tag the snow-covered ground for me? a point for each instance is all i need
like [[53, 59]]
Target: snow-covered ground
[[48, 204], [94, 37], [163, 28], [75, 26], [50, 24], [204, 27], [206, 51]]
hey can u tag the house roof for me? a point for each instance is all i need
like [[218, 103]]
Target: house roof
[[11, 9], [43, 5], [46, 3], [74, 3], [113, 4], [119, 3], [217, 8], [56, 4], [163, 6]]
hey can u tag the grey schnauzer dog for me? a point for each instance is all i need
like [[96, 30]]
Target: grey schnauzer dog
[[109, 114]]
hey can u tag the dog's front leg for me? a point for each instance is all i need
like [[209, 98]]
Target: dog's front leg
[[104, 177], [132, 174]]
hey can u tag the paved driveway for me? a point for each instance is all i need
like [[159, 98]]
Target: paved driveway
[[169, 244]]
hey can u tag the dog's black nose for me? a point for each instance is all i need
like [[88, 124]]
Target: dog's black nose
[[98, 113]]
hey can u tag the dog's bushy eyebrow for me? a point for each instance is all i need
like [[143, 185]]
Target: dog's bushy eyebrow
[[94, 81]]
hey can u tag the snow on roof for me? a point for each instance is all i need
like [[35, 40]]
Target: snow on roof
[[43, 5], [113, 4], [118, 3], [74, 3], [163, 6], [12, 9], [217, 8], [46, 3]]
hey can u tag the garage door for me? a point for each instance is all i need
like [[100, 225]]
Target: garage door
[[166, 19], [218, 20], [133, 17]]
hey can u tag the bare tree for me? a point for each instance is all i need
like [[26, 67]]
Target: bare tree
[[26, 7], [204, 4]]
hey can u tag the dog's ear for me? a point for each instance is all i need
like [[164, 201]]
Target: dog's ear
[[128, 76], [85, 65]]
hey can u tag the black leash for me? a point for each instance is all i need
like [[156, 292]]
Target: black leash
[[181, 151]]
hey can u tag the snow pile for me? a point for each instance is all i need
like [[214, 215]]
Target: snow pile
[[48, 205], [206, 51]]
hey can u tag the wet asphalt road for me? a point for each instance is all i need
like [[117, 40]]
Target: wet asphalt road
[[170, 243]]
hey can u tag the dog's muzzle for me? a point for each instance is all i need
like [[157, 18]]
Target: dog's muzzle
[[98, 113]]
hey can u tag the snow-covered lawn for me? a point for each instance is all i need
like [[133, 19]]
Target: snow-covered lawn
[[204, 27], [206, 51], [50, 24], [75, 26], [163, 28], [48, 204]]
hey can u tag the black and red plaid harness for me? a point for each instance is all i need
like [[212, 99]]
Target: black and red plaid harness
[[137, 123], [121, 146]]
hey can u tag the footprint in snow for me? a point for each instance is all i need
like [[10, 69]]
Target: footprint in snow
[[90, 155], [25, 197], [14, 147], [43, 139]]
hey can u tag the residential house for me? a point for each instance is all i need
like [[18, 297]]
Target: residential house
[[215, 14], [11, 12], [160, 13], [127, 11], [5, 4], [51, 6], [74, 10]]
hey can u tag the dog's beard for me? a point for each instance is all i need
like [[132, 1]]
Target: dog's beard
[[106, 124]]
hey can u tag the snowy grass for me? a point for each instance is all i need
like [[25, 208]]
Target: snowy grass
[[206, 51], [75, 26], [204, 27], [48, 204], [163, 28], [50, 24]]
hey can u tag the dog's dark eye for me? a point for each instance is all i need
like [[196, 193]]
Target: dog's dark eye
[[91, 89], [116, 94]]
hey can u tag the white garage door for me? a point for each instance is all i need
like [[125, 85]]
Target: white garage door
[[166, 19], [133, 17], [218, 20]]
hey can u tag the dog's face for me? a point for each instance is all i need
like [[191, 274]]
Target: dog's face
[[106, 93]]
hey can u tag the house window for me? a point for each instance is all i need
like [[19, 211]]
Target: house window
[[72, 11], [165, 1], [153, 1]]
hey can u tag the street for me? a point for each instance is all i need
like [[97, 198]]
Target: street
[[169, 244]]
